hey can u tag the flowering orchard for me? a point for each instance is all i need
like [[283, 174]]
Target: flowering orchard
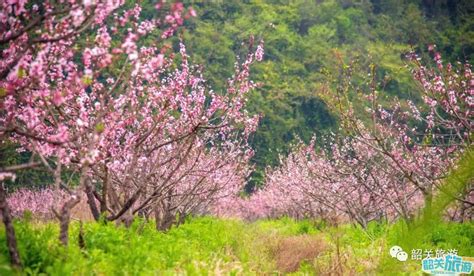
[[388, 167], [105, 100], [96, 89]]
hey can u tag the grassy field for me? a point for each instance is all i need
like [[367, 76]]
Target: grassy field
[[210, 246]]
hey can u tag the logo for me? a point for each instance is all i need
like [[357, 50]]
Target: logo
[[397, 252], [448, 264]]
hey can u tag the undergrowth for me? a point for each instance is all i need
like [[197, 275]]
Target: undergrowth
[[206, 245]]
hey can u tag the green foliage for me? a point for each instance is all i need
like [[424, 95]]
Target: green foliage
[[207, 245]]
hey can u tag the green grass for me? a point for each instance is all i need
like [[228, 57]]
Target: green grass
[[204, 246]]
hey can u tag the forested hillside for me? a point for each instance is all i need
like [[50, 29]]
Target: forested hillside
[[308, 42]]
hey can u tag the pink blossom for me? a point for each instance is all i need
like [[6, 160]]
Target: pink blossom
[[77, 17], [192, 12], [259, 52], [7, 175]]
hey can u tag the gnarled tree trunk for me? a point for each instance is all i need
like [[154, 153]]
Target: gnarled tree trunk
[[65, 217]]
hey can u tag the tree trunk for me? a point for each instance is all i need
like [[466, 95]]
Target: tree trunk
[[163, 218], [181, 218], [126, 219], [91, 200], [9, 229], [65, 217]]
